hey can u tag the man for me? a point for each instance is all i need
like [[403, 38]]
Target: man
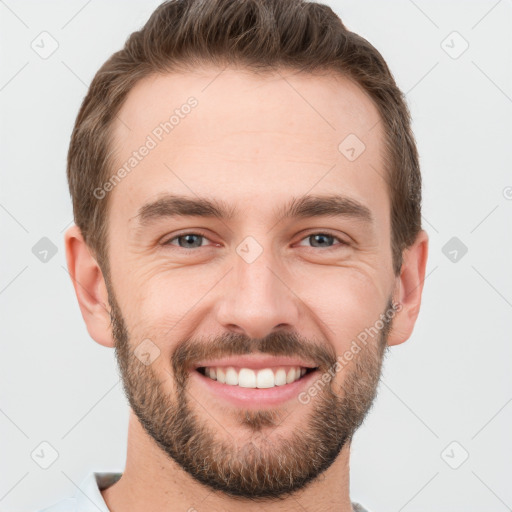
[[246, 192]]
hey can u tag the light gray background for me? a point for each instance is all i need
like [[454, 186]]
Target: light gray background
[[450, 382]]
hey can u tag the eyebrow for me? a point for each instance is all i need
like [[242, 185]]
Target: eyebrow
[[309, 206]]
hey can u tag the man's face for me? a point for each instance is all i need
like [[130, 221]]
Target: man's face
[[257, 293]]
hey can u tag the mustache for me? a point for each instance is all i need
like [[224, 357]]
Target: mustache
[[190, 352]]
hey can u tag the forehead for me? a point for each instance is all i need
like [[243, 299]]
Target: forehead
[[234, 134]]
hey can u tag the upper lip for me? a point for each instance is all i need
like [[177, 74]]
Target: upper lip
[[256, 362]]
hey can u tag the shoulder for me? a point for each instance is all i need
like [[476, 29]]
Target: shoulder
[[65, 505], [88, 496], [356, 506]]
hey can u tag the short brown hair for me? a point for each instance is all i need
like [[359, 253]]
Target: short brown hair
[[261, 35]]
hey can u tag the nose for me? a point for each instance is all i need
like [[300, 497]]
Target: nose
[[256, 298]]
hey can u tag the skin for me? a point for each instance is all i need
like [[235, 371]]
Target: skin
[[253, 142]]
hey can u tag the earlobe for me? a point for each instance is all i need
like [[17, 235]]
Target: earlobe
[[409, 288], [90, 288]]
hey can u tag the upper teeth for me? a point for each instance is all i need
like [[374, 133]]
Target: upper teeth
[[248, 378]]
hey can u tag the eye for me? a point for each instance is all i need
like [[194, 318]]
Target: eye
[[187, 240], [321, 239], [194, 241]]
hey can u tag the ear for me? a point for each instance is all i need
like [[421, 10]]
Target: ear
[[90, 287], [408, 289]]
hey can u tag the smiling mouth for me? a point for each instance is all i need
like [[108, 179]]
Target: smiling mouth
[[257, 378]]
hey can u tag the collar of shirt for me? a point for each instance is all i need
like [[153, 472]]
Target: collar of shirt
[[88, 496]]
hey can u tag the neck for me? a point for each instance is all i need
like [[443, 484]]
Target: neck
[[153, 482]]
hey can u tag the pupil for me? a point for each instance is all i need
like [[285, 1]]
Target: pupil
[[321, 236], [189, 237]]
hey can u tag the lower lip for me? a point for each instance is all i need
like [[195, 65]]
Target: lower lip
[[254, 397]]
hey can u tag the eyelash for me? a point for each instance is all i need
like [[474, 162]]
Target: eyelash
[[342, 242]]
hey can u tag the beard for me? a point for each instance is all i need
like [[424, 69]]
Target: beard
[[268, 465]]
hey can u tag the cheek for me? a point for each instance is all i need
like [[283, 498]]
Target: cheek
[[344, 301], [166, 304], [160, 304], [169, 293]]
